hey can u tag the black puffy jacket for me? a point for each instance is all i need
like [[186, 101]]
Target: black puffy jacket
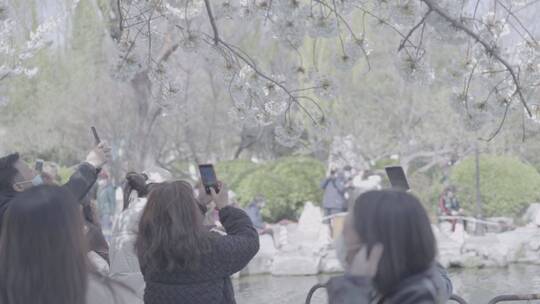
[[211, 283], [79, 184], [431, 287]]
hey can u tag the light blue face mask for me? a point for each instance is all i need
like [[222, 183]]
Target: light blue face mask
[[37, 180]]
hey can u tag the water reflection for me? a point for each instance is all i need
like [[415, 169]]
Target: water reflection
[[481, 285], [278, 290], [476, 286]]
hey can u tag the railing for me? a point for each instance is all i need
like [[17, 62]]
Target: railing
[[458, 299], [468, 219], [312, 291], [514, 298]]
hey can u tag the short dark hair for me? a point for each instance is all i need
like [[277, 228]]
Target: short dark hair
[[399, 222], [8, 171]]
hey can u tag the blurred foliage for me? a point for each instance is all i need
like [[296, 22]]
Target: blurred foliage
[[507, 185], [65, 173], [428, 187], [232, 172], [286, 183]]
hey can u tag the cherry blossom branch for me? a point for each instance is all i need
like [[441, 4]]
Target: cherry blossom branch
[[488, 48], [531, 36]]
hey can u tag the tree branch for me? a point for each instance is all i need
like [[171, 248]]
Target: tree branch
[[496, 132], [432, 6], [212, 21], [120, 17], [402, 44], [531, 36]]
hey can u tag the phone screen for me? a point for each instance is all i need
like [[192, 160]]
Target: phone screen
[[39, 166], [96, 136], [397, 178], [208, 175]]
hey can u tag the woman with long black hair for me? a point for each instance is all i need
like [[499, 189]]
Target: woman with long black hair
[[43, 254], [182, 261], [388, 249]]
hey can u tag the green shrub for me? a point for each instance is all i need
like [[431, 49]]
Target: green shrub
[[65, 173], [507, 185], [286, 184], [232, 172], [428, 188]]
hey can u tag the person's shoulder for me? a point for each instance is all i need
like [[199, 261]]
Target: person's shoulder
[[104, 290], [419, 291]]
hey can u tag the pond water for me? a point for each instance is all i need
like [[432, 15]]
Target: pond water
[[476, 286]]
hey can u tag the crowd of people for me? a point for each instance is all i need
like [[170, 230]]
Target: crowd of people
[[162, 251]]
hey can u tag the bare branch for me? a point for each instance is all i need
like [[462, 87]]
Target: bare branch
[[531, 36], [402, 44], [120, 17], [212, 21], [501, 124]]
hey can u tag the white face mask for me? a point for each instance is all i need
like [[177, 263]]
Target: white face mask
[[341, 251]]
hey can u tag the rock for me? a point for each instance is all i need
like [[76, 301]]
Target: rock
[[534, 243], [330, 263], [262, 262], [449, 249], [310, 223], [488, 248], [532, 215], [310, 236], [516, 242], [295, 264]]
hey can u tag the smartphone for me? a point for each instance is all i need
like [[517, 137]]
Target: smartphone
[[39, 165], [96, 136], [208, 178], [397, 178]]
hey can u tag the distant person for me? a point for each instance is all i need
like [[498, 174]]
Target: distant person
[[388, 251], [106, 199], [181, 260], [43, 254], [16, 176], [450, 206], [124, 262], [254, 211], [334, 193]]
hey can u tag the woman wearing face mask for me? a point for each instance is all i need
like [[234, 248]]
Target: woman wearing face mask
[[388, 250], [43, 254]]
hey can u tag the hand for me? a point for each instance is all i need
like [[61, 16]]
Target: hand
[[204, 198], [364, 265], [99, 155], [221, 199]]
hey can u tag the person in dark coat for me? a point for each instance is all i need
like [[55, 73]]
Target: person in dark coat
[[16, 176], [181, 260], [388, 251], [334, 193]]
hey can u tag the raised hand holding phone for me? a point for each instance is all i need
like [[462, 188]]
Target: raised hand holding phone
[[101, 153], [208, 178], [221, 198]]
